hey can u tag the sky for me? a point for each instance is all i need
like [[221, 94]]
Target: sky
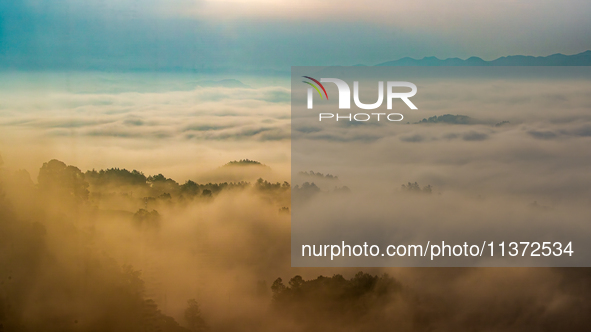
[[263, 35]]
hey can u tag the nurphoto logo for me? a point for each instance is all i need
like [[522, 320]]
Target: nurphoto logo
[[345, 98]]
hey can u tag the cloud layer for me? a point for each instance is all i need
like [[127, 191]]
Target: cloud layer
[[148, 126], [517, 170]]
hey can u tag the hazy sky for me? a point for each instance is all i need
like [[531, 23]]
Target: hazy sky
[[266, 34]]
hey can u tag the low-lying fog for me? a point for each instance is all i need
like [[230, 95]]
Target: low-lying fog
[[121, 210]]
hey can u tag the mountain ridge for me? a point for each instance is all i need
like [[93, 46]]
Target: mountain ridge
[[558, 59]]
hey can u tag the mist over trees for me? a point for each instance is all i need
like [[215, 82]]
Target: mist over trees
[[244, 162], [70, 288], [57, 178], [54, 278], [319, 175], [306, 191], [413, 187], [326, 303], [195, 322], [58, 271], [369, 302], [122, 181], [449, 119]]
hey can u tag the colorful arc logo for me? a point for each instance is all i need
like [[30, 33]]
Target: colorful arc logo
[[314, 86]]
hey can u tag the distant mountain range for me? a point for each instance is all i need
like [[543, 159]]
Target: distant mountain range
[[581, 59]]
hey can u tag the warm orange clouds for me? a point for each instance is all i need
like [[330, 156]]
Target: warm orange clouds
[[127, 250], [144, 124]]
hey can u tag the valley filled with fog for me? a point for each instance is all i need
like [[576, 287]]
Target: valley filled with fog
[[145, 203]]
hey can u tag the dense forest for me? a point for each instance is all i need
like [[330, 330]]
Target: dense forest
[[76, 285], [79, 252]]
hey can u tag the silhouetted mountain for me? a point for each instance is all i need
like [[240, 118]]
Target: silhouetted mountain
[[581, 59]]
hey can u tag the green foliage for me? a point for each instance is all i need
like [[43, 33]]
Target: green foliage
[[319, 175], [449, 119], [328, 298], [191, 189], [165, 197], [415, 188], [121, 184], [306, 191], [278, 287], [342, 190], [243, 162], [72, 285], [192, 315], [120, 177], [56, 177], [132, 281], [40, 290], [264, 185], [146, 218]]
